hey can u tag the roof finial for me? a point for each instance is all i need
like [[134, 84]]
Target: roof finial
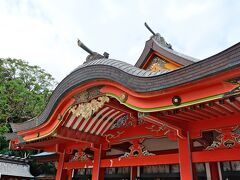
[[158, 37], [92, 55], [146, 25], [81, 45]]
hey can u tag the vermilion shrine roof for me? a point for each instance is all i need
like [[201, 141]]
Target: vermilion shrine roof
[[165, 88], [136, 79]]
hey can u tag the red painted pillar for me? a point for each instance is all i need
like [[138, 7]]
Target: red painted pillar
[[102, 170], [64, 175], [69, 173], [133, 172], [96, 164], [214, 171], [101, 173], [185, 159], [61, 173], [194, 169]]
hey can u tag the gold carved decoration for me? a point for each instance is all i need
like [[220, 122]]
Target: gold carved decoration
[[80, 156], [113, 136], [137, 149], [86, 110], [163, 128], [60, 117], [142, 114], [88, 95], [228, 138], [157, 64], [155, 67], [236, 90]]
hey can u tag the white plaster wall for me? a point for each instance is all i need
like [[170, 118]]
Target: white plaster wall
[[160, 144], [114, 152]]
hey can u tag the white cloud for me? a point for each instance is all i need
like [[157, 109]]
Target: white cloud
[[45, 32]]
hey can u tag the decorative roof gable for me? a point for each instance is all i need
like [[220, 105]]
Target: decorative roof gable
[[158, 54]]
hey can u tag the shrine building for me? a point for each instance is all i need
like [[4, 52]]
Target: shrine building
[[170, 116]]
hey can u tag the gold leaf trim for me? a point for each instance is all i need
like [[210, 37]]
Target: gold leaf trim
[[86, 110]]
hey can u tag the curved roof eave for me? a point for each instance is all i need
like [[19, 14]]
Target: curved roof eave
[[135, 79]]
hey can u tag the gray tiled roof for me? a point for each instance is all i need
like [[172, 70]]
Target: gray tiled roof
[[123, 66], [14, 166], [184, 56], [135, 79], [44, 154], [10, 136]]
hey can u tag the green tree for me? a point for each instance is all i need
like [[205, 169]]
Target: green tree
[[24, 92]]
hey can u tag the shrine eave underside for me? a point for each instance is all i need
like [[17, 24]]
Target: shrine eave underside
[[135, 79]]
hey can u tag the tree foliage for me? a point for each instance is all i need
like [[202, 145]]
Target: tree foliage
[[24, 92]]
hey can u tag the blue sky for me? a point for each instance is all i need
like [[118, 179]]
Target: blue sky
[[45, 32]]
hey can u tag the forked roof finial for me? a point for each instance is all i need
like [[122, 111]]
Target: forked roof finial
[[92, 55], [146, 25], [157, 37]]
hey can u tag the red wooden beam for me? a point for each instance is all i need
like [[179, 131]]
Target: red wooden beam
[[73, 122], [191, 113], [209, 112], [175, 115], [146, 130], [230, 106], [221, 108], [143, 161], [197, 157], [179, 129], [236, 102], [216, 155], [155, 119], [214, 123], [123, 162], [78, 164], [186, 117], [66, 117], [199, 112], [75, 135], [116, 105], [175, 120], [211, 108]]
